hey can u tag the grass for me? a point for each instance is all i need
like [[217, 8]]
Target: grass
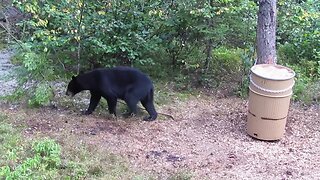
[[181, 175], [164, 93], [41, 157], [66, 156]]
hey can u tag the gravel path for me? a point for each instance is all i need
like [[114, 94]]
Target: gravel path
[[7, 82]]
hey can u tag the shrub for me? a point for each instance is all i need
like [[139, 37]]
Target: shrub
[[43, 163], [306, 89], [225, 67]]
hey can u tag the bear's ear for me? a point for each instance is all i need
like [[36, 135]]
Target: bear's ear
[[73, 77]]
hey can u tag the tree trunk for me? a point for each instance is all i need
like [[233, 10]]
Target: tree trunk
[[79, 35], [209, 55], [209, 43], [266, 32]]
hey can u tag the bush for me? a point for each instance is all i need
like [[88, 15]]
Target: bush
[[225, 67], [42, 96], [306, 88], [44, 163], [33, 74], [170, 40], [307, 73], [91, 33], [227, 60]]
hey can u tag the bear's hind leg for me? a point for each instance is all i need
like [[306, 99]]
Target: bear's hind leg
[[148, 104]]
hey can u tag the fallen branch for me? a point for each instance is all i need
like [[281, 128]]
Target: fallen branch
[[10, 34]]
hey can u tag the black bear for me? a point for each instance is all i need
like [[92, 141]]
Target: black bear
[[126, 83]]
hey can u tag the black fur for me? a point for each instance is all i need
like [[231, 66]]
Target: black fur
[[126, 83]]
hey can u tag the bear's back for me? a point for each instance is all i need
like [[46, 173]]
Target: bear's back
[[123, 75]]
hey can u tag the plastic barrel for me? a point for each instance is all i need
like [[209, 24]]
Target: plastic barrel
[[270, 92]]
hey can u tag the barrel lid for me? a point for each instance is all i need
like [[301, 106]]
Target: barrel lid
[[273, 72]]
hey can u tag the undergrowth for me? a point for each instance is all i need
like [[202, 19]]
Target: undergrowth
[[64, 157], [42, 158]]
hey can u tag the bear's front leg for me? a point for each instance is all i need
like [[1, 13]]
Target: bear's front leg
[[94, 100], [112, 103]]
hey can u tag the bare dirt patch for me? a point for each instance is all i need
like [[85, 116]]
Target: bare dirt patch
[[207, 138]]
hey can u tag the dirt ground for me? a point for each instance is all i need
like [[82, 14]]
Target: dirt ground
[[207, 138]]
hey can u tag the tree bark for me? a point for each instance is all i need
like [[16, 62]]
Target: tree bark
[[209, 55], [209, 43], [266, 32], [79, 35]]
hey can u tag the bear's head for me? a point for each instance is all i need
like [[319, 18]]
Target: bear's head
[[73, 87]]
